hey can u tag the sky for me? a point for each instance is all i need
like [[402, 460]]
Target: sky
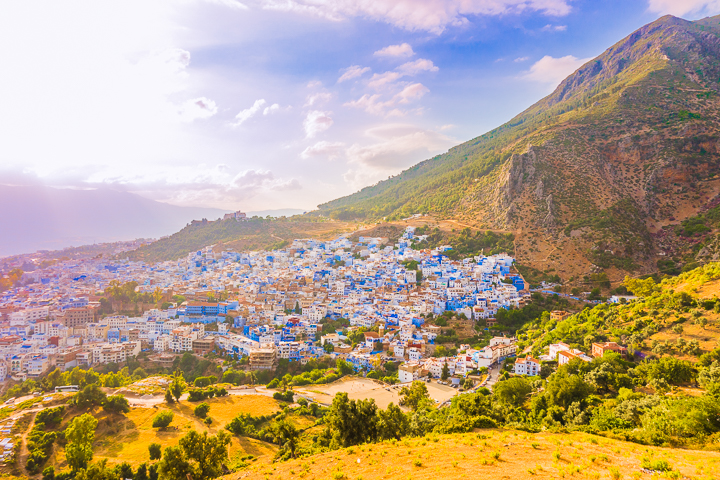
[[268, 104]]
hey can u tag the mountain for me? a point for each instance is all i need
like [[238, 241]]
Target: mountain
[[253, 234], [605, 173], [44, 218]]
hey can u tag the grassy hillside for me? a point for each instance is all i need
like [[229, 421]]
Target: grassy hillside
[[679, 317], [625, 148], [492, 454], [255, 234]]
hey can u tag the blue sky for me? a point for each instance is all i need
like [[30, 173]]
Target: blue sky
[[265, 104]]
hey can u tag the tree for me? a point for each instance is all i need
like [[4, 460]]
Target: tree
[[415, 396], [177, 385], [80, 435], [563, 389], [329, 347], [202, 410], [155, 450], [89, 396], [641, 288], [163, 419], [124, 470], [352, 422], [199, 455], [513, 391], [445, 372], [392, 423], [116, 404], [286, 435]]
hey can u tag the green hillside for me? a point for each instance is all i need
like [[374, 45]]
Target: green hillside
[[623, 149], [678, 318], [254, 234]]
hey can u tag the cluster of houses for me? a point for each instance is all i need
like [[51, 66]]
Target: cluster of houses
[[265, 305]]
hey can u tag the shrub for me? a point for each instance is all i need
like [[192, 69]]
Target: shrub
[[50, 416], [163, 419], [155, 450], [656, 465], [284, 397], [202, 410], [116, 404]]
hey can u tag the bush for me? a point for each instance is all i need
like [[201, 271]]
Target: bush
[[656, 465], [50, 416], [202, 410], [116, 404], [163, 419], [89, 396], [284, 397], [155, 450]]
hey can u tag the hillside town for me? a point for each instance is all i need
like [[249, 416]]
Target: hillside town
[[266, 306]]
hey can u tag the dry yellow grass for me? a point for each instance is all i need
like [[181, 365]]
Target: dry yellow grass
[[520, 455], [126, 439]]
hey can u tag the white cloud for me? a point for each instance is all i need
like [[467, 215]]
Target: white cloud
[[316, 122], [370, 103], [553, 28], [318, 99], [324, 149], [521, 59], [197, 109], [552, 70], [229, 3], [248, 113], [352, 72], [414, 91], [379, 80], [271, 109], [419, 65], [409, 69], [314, 83], [428, 15], [374, 104], [402, 50], [684, 7], [392, 148]]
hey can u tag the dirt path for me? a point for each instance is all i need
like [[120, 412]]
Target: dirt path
[[24, 452]]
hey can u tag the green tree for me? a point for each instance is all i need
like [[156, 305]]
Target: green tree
[[415, 396], [90, 396], [641, 288], [392, 423], [80, 435], [351, 422], [163, 419], [116, 404], [564, 388], [199, 455], [202, 410], [155, 450], [513, 391], [286, 435], [445, 372], [177, 385]]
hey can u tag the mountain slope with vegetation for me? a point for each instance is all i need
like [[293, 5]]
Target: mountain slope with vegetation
[[253, 234], [679, 317], [602, 169]]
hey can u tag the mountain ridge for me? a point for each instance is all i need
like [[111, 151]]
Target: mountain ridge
[[593, 167]]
